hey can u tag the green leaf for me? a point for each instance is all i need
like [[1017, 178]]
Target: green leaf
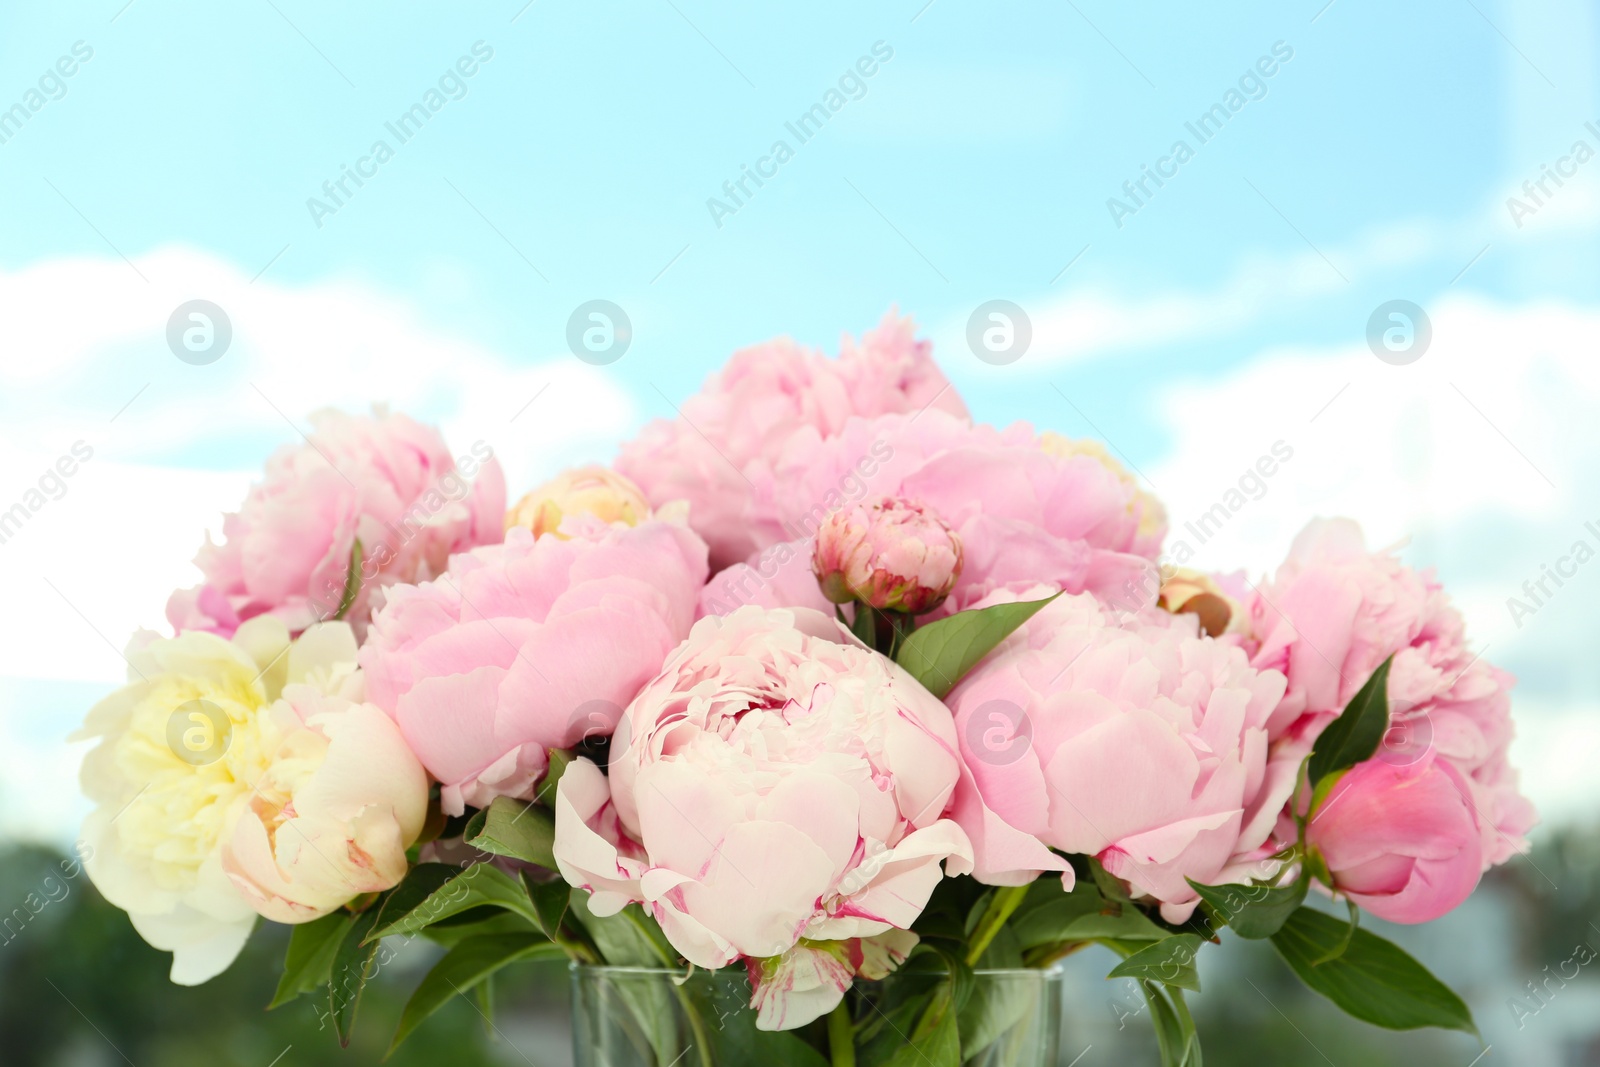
[[630, 938], [1050, 919], [999, 1003], [1047, 912], [517, 829], [352, 966], [465, 966], [1373, 980], [479, 885], [310, 957], [1359, 729], [1170, 962], [937, 1040], [479, 922], [1174, 1026], [940, 653], [1252, 911], [418, 885], [1344, 943], [550, 901], [1110, 885], [560, 760], [352, 581], [734, 1038]]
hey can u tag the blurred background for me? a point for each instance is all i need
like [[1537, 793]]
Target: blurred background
[[1376, 245]]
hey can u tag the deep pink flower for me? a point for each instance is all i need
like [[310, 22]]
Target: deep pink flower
[[1400, 839]]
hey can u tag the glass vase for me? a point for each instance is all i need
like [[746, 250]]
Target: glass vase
[[649, 1017]]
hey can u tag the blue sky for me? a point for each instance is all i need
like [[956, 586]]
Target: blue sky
[[1230, 311]]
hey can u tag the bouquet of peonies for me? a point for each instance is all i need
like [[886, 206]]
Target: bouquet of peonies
[[821, 681]]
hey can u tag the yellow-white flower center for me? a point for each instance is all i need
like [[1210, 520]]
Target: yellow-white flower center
[[198, 747]]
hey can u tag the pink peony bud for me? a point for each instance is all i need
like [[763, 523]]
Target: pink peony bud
[[894, 555], [1400, 841]]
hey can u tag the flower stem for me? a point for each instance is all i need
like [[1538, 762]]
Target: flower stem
[[841, 1036], [1006, 900]]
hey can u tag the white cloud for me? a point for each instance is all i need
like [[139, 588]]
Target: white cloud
[[84, 334], [1472, 429], [1451, 452], [77, 327]]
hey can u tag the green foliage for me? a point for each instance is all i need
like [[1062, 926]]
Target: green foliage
[[939, 654], [352, 966], [517, 829], [428, 896], [1357, 732], [464, 967], [309, 960], [1372, 979], [1252, 911], [352, 582], [1170, 961]]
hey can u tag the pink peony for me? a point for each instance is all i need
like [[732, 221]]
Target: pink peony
[[894, 555], [777, 786], [1027, 508], [1399, 839], [1333, 613], [744, 416], [382, 480], [1143, 745], [530, 645]]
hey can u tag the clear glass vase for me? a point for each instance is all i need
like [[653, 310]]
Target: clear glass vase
[[647, 1017]]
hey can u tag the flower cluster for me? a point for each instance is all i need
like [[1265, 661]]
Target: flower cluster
[[821, 677]]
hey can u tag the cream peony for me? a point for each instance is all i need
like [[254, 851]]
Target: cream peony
[[594, 490], [183, 748]]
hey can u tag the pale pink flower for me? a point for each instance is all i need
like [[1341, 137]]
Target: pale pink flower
[[776, 781], [530, 645], [381, 480], [1143, 745], [893, 555], [746, 413], [1335, 611], [1028, 508]]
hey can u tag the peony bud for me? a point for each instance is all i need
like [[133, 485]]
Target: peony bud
[[597, 491], [894, 555], [1400, 841]]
